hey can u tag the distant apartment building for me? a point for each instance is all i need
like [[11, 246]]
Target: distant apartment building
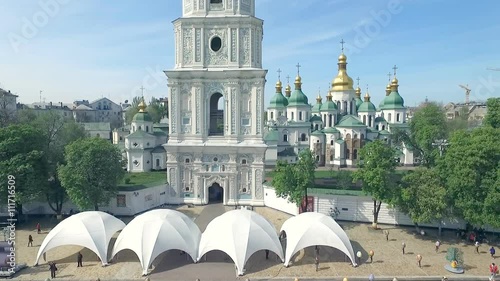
[[8, 107], [476, 111]]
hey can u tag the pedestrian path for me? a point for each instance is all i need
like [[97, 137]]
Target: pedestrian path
[[209, 213]]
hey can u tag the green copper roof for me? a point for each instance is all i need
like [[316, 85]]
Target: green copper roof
[[367, 106], [350, 121], [315, 118], [317, 133], [329, 106], [142, 117], [140, 134], [359, 101], [381, 104], [330, 130], [384, 132], [298, 98], [272, 135], [278, 101], [380, 119], [393, 101], [316, 108]]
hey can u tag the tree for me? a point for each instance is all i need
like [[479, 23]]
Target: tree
[[92, 172], [460, 122], [22, 156], [58, 133], [155, 109], [471, 167], [292, 180], [377, 174], [423, 196], [492, 117], [427, 125], [343, 179]]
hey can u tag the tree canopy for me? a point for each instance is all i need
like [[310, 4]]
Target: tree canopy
[[155, 109], [376, 172], [471, 167], [492, 117], [427, 125], [423, 196], [22, 155], [92, 172], [292, 180]]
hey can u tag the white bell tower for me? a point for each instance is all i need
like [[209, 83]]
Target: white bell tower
[[216, 103]]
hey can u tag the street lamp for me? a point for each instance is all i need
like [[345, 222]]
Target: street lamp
[[441, 144]]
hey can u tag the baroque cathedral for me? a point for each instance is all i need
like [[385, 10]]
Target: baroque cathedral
[[219, 141], [335, 130]]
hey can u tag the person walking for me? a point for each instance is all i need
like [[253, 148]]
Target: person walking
[[53, 269], [267, 254], [30, 241], [386, 233], [493, 271], [38, 228], [403, 246], [492, 252], [370, 254], [79, 260], [477, 247], [419, 260], [316, 262], [438, 243]]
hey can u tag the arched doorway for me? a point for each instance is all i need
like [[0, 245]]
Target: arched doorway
[[216, 115], [215, 193]]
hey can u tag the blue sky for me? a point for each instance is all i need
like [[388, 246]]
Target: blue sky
[[93, 48]]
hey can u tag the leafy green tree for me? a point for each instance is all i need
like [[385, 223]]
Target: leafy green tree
[[423, 196], [92, 172], [344, 179], [377, 174], [471, 167], [292, 180], [58, 132], [427, 125], [460, 122], [492, 117], [22, 156], [155, 109]]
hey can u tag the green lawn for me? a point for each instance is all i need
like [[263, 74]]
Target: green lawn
[[142, 180]]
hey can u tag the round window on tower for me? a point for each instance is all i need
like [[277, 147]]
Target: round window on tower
[[216, 44]]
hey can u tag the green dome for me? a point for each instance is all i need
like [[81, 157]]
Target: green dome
[[315, 118], [329, 106], [367, 106], [359, 101], [298, 98], [142, 117], [318, 133], [278, 101], [393, 101], [316, 108], [272, 135]]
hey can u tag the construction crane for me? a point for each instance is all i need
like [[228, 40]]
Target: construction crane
[[493, 69], [467, 93]]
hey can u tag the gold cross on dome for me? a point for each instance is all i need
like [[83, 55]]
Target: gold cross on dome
[[357, 79], [288, 79], [342, 42], [279, 74], [395, 68], [298, 68]]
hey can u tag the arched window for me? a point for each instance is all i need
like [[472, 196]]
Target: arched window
[[383, 127], [316, 127], [397, 117], [285, 138], [300, 115], [370, 121], [331, 142], [303, 137], [389, 117], [216, 115], [376, 127], [331, 157], [139, 128], [157, 162], [355, 136], [147, 129], [347, 154], [272, 115], [362, 137], [293, 116], [330, 120], [364, 119], [317, 158], [355, 154]]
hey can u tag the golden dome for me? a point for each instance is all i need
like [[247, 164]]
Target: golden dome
[[342, 82], [394, 84], [367, 97], [279, 86], [388, 89], [288, 90], [358, 92], [318, 98], [395, 80], [142, 106], [298, 82]]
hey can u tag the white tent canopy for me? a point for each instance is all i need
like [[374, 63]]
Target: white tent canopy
[[92, 230], [157, 231], [311, 229], [240, 233]]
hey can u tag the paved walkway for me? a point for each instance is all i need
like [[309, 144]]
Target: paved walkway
[[217, 267]]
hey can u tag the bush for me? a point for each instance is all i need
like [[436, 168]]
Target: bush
[[127, 180]]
